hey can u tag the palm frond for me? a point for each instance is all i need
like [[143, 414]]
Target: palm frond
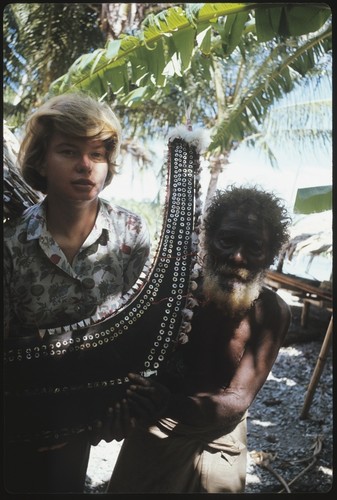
[[275, 77], [169, 37]]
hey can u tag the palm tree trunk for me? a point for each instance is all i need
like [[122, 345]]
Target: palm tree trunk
[[217, 162]]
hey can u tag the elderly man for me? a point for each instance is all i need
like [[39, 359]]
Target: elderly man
[[198, 442]]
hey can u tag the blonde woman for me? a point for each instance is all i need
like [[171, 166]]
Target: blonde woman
[[68, 257]]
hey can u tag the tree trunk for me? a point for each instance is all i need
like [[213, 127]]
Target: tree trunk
[[217, 164], [118, 18]]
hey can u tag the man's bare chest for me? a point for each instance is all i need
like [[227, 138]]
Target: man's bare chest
[[216, 345]]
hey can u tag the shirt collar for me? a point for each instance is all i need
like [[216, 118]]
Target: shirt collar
[[37, 224], [36, 220], [103, 217]]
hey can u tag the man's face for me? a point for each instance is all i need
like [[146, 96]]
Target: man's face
[[236, 256]]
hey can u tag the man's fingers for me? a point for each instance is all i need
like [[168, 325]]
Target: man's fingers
[[96, 432], [116, 424], [143, 408], [117, 427], [138, 379], [141, 399], [147, 392], [128, 421], [108, 424], [121, 422]]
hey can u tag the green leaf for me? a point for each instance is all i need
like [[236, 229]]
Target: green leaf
[[117, 78], [156, 61], [267, 21], [313, 199], [289, 20], [184, 43], [301, 20], [86, 60], [163, 25], [113, 48], [255, 110], [138, 96], [232, 33], [212, 11], [134, 96], [169, 39], [204, 65], [139, 68], [203, 38], [100, 54]]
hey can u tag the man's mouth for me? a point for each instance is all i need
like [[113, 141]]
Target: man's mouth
[[227, 280], [228, 283], [231, 276]]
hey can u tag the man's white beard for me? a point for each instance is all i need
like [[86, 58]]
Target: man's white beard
[[239, 296]]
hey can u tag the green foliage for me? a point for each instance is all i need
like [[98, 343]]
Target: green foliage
[[40, 41], [290, 20], [281, 68], [251, 53], [171, 60], [172, 37]]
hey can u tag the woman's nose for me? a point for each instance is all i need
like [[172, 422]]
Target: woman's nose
[[84, 163]]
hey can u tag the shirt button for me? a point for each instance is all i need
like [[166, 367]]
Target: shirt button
[[88, 283]]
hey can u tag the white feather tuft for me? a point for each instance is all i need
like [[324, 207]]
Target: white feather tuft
[[199, 138]]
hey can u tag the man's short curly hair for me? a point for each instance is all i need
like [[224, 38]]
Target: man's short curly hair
[[268, 208]]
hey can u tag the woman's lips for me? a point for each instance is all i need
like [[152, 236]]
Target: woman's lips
[[83, 182], [83, 185]]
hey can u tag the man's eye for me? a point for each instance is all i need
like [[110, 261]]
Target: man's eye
[[255, 249], [225, 242]]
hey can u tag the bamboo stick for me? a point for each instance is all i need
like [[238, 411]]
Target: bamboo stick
[[317, 371]]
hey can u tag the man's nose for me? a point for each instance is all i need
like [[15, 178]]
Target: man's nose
[[238, 256]]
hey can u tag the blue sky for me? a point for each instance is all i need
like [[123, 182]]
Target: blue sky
[[247, 166], [297, 168]]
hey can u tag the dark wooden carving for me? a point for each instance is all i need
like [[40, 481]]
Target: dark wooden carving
[[58, 382]]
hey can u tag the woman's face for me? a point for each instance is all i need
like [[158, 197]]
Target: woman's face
[[75, 169]]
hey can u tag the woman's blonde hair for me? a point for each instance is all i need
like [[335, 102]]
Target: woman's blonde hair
[[77, 115]]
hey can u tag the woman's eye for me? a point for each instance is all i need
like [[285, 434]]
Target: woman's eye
[[68, 152], [98, 156]]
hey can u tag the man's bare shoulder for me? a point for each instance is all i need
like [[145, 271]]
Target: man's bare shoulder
[[270, 296], [272, 310]]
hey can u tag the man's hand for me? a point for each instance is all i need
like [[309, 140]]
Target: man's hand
[[147, 398], [116, 424]]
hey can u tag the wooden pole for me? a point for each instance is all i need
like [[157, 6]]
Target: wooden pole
[[317, 371]]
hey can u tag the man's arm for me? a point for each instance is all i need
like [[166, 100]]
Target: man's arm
[[226, 406], [223, 408]]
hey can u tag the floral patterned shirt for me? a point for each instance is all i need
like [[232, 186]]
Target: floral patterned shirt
[[42, 289]]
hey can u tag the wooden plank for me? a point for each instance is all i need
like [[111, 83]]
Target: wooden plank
[[297, 283]]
